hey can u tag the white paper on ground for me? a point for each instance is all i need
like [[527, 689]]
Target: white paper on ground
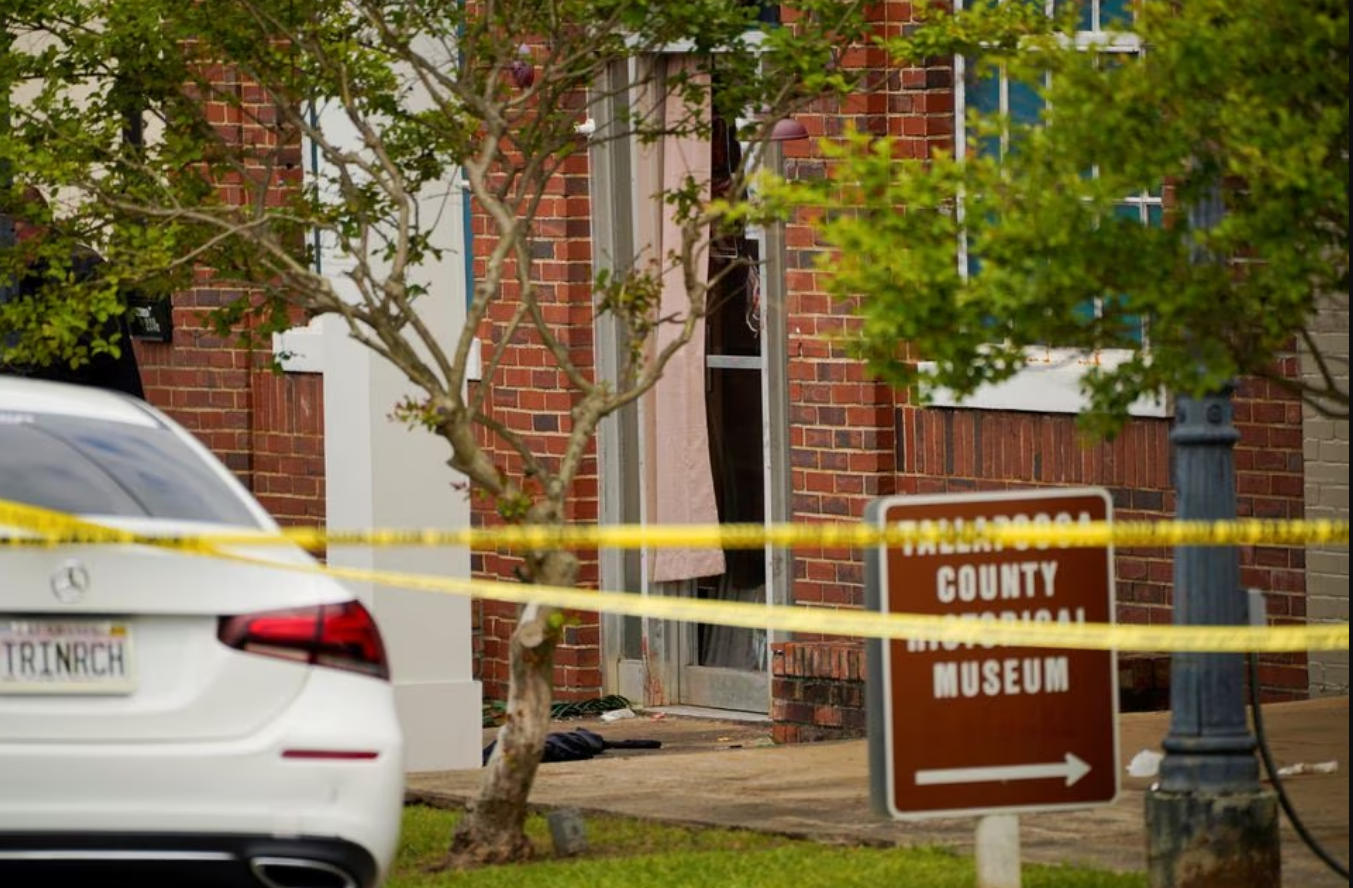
[[1145, 763]]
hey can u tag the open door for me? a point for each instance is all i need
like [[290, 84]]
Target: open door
[[728, 667]]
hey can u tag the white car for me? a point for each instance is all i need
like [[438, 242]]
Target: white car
[[168, 718]]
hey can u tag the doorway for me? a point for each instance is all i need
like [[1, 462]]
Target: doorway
[[742, 378]]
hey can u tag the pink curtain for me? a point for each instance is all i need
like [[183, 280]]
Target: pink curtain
[[681, 480]]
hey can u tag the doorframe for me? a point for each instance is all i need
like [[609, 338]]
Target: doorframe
[[775, 405], [649, 668], [620, 442]]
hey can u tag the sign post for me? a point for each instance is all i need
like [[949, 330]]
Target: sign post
[[974, 729]]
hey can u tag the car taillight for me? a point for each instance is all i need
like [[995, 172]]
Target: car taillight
[[340, 636]]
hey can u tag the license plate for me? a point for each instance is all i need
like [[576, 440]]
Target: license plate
[[66, 657]]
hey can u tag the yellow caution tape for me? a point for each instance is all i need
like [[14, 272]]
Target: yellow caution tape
[[865, 624], [38, 526], [46, 528]]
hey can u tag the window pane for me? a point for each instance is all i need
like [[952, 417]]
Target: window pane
[[974, 265], [1025, 103], [92, 467], [984, 90], [1114, 14], [1086, 18], [1129, 211], [1132, 322], [984, 97], [1137, 332], [1085, 311]]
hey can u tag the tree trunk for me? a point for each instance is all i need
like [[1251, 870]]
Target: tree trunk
[[493, 828]]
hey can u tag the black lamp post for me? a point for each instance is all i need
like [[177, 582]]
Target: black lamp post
[[1209, 824]]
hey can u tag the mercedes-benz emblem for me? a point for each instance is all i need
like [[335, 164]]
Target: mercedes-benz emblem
[[70, 582]]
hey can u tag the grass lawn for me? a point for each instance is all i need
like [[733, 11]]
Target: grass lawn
[[627, 853]]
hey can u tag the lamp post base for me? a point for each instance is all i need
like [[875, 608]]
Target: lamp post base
[[1211, 840]]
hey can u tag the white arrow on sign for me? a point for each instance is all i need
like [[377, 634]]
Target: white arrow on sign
[[1071, 768]]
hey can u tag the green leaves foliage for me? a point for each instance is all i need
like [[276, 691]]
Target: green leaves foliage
[[186, 138]]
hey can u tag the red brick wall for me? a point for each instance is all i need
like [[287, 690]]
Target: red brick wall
[[532, 396], [1270, 484], [843, 427], [818, 691], [266, 427], [960, 450], [953, 450]]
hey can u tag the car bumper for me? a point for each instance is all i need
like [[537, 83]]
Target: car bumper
[[232, 787], [150, 860]]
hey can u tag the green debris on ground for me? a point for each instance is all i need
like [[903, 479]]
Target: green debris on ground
[[496, 710]]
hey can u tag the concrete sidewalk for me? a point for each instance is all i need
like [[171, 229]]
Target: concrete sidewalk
[[728, 773]]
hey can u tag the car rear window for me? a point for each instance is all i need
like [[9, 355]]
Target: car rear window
[[98, 467]]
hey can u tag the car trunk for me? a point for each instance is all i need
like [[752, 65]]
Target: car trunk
[[112, 643]]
